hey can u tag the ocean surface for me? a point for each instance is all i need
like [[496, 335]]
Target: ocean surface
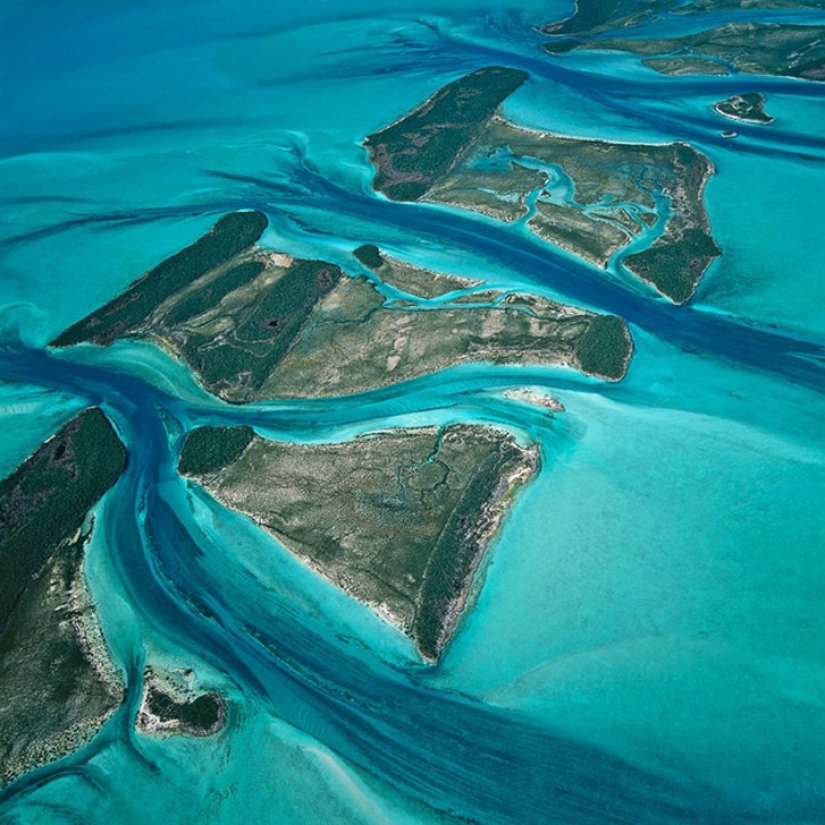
[[646, 642]]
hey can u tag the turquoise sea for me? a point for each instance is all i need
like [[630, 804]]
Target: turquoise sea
[[646, 642]]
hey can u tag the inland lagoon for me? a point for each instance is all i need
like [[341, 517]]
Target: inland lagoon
[[412, 414]]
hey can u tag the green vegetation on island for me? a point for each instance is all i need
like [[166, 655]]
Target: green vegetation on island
[[676, 261], [421, 504], [679, 66], [417, 150], [207, 449], [198, 301], [369, 255], [263, 325], [57, 684], [236, 349], [774, 49], [455, 555], [591, 17], [675, 269], [606, 347], [593, 198], [46, 499], [415, 280], [169, 707], [229, 308], [231, 235], [748, 107], [404, 517], [56, 681]]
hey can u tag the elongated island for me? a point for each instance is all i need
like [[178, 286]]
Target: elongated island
[[56, 679], [745, 43], [254, 324]]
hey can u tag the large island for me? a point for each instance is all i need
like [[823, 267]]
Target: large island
[[640, 204], [403, 520], [254, 324], [57, 683]]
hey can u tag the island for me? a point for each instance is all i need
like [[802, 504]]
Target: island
[[593, 17], [356, 340], [56, 677], [640, 205], [171, 707], [404, 518], [748, 107], [743, 44], [256, 324]]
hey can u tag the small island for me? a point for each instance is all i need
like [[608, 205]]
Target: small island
[[171, 707], [593, 198], [404, 519], [748, 107], [56, 678]]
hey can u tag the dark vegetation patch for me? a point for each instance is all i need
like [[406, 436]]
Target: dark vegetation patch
[[230, 235], [676, 267], [47, 497], [199, 301], [265, 331], [780, 49], [200, 716], [412, 154], [208, 449], [369, 255], [52, 696], [748, 106], [235, 352], [597, 16], [452, 562], [605, 348], [589, 16]]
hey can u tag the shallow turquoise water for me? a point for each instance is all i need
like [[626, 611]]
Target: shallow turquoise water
[[646, 644]]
